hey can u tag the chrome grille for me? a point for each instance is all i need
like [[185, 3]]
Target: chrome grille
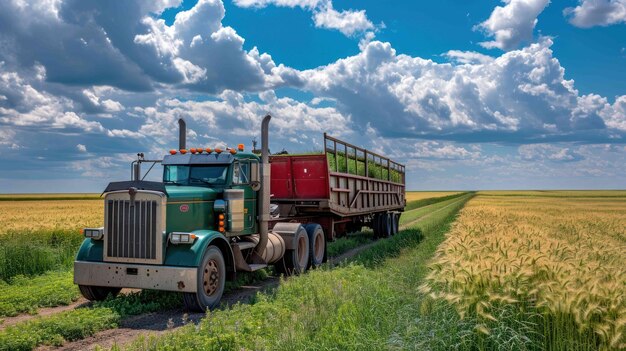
[[133, 228]]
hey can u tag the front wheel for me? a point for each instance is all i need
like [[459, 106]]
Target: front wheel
[[211, 281], [97, 293]]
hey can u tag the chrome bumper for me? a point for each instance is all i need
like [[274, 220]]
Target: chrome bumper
[[182, 279]]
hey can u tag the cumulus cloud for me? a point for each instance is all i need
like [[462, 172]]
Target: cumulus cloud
[[521, 96], [81, 148], [124, 44], [348, 22], [592, 13], [512, 24], [540, 152], [232, 112]]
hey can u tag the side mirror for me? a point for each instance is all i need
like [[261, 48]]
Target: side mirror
[[255, 177]]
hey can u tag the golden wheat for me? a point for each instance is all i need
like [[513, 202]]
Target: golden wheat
[[50, 214], [559, 255]]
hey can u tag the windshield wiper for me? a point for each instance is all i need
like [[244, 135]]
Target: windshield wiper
[[201, 180]]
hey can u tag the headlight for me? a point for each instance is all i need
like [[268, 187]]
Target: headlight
[[94, 233], [182, 238]]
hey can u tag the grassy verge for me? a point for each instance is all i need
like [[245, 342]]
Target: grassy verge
[[26, 295], [34, 252], [431, 200], [416, 213], [83, 322], [348, 242], [354, 307]]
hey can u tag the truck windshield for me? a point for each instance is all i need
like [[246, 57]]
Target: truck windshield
[[187, 175]]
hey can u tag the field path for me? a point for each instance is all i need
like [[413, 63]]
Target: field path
[[157, 323]]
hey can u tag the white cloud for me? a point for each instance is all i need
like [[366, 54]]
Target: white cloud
[[81, 148], [592, 13], [468, 57], [348, 22], [520, 96], [513, 23], [540, 152]]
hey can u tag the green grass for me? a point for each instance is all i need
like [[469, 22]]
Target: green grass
[[358, 306], [416, 213], [348, 242], [35, 252], [356, 166], [25, 295], [83, 322], [429, 201]]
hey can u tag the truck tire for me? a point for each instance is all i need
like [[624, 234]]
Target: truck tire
[[386, 224], [296, 260], [211, 281], [317, 244], [395, 225], [97, 293], [376, 226]]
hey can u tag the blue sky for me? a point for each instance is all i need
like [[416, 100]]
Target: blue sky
[[515, 94]]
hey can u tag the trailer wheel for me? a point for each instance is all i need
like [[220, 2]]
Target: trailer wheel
[[386, 224], [317, 244], [395, 223], [211, 281], [376, 226], [296, 260], [97, 293]]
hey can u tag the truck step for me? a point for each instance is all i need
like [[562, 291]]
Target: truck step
[[256, 267], [244, 245]]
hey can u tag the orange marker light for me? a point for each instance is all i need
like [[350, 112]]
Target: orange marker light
[[173, 152], [221, 223], [233, 151], [199, 150], [221, 216], [222, 229], [240, 147], [193, 150], [208, 150], [183, 151], [218, 150]]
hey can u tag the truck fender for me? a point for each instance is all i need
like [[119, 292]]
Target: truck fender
[[190, 256], [90, 250], [288, 232]]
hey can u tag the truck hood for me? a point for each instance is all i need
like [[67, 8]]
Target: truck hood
[[191, 193]]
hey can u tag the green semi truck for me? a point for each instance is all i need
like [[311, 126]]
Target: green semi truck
[[219, 212]]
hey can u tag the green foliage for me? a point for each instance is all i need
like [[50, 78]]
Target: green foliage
[[54, 329], [22, 294], [429, 201], [82, 322], [356, 166], [348, 242], [35, 252]]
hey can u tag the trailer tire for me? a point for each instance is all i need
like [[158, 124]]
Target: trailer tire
[[97, 293], [386, 224], [211, 281], [376, 226], [296, 260], [395, 223], [317, 244]]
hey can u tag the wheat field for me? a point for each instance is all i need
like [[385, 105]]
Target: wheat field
[[420, 195], [560, 258], [50, 214]]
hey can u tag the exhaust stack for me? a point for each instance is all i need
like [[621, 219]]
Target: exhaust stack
[[264, 195], [182, 134]]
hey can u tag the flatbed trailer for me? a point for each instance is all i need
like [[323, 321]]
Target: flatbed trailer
[[343, 189]]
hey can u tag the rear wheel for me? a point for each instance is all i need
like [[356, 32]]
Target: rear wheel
[[317, 244], [386, 224], [296, 260], [97, 293], [211, 280], [395, 223], [376, 227]]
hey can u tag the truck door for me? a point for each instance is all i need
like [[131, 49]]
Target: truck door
[[241, 180]]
